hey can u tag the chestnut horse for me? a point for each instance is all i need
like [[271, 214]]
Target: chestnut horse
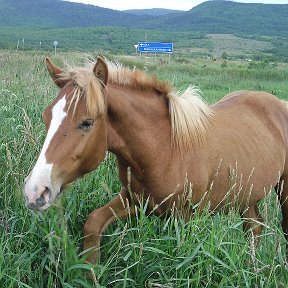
[[231, 153]]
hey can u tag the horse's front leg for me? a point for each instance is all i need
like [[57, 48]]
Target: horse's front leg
[[100, 218]]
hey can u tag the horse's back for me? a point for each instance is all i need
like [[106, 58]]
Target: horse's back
[[250, 133], [250, 106], [252, 99], [253, 115]]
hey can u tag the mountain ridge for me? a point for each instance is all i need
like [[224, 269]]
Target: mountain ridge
[[61, 14], [209, 17], [152, 11], [229, 17]]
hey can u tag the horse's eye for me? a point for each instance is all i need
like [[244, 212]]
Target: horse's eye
[[86, 125]]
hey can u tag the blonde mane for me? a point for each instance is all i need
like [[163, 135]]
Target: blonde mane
[[189, 114], [190, 117]]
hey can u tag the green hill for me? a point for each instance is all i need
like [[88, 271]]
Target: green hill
[[60, 14], [209, 17], [229, 17]]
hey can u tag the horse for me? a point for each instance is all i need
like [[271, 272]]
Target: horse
[[230, 154]]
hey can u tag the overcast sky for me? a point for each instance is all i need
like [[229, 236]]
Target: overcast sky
[[169, 4]]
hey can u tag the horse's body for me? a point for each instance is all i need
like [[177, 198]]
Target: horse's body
[[233, 153]]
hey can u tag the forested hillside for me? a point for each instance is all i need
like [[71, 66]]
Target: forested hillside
[[60, 14], [229, 17], [208, 17]]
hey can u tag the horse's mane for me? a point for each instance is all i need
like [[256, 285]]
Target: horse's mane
[[188, 112]]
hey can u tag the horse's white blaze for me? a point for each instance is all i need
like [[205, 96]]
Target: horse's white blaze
[[40, 176]]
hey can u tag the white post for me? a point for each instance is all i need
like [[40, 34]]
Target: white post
[[55, 45]]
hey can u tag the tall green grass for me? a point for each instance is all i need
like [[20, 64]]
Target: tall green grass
[[44, 250]]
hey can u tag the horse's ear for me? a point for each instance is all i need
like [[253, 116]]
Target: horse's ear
[[55, 73], [100, 70]]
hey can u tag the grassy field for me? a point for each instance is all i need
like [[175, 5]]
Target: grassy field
[[44, 250]]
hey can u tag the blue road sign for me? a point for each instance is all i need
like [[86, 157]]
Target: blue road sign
[[155, 47]]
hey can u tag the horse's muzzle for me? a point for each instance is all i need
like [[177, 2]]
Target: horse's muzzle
[[38, 203]]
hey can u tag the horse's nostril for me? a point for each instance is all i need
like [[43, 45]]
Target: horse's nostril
[[44, 198], [32, 206], [41, 201]]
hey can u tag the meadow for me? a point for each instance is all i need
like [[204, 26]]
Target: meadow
[[44, 250]]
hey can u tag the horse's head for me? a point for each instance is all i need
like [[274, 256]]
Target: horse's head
[[76, 139]]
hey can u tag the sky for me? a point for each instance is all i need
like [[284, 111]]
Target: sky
[[168, 4]]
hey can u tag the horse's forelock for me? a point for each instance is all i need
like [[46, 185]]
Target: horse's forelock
[[85, 85]]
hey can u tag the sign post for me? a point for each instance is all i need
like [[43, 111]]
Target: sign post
[[55, 45]]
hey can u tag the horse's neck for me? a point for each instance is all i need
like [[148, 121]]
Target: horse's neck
[[138, 125]]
